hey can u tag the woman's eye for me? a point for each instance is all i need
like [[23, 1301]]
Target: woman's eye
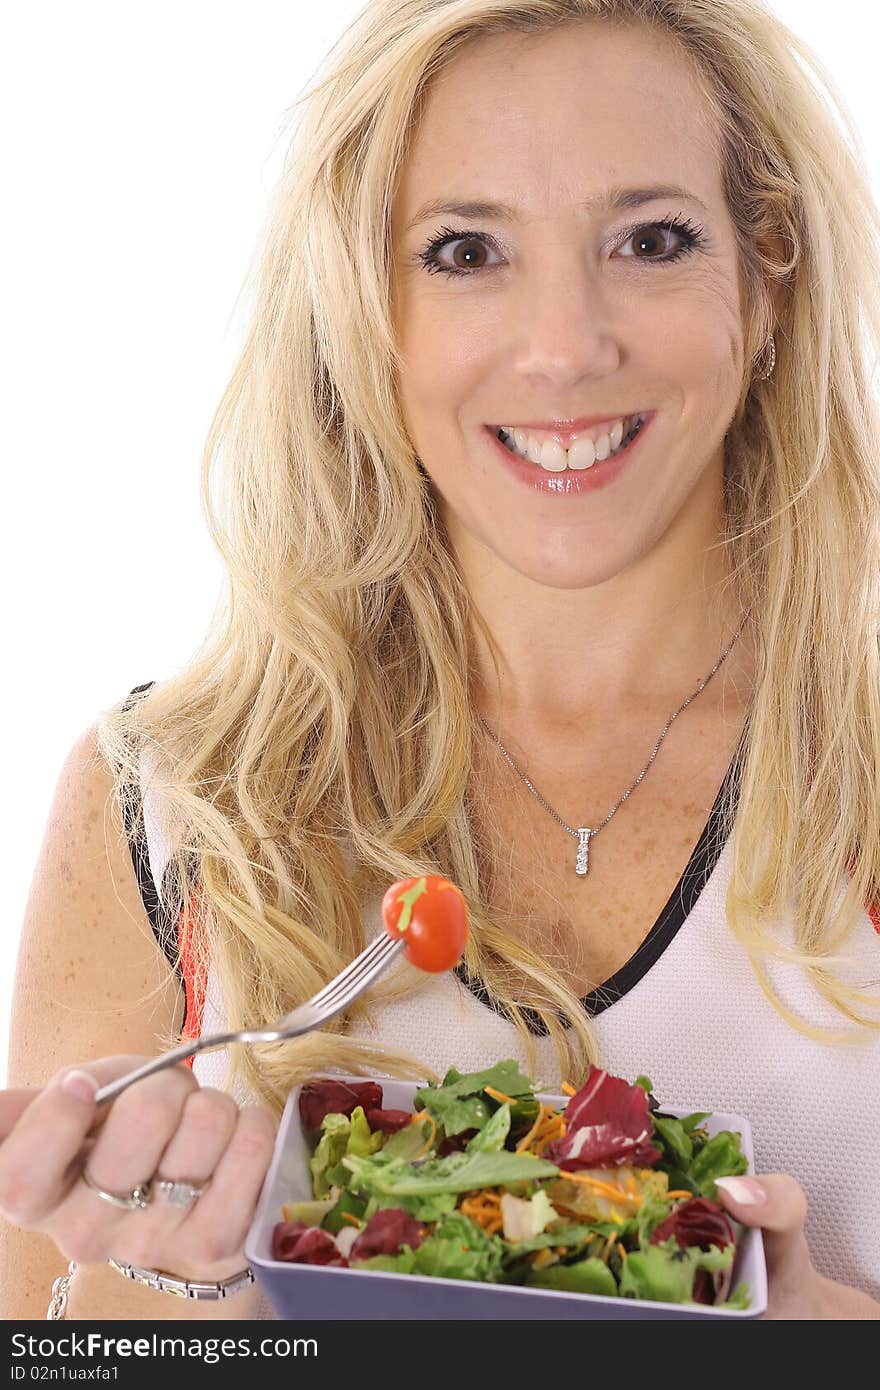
[[655, 238], [465, 253]]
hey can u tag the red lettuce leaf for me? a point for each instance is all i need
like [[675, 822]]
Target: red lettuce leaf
[[385, 1232], [299, 1244], [388, 1121], [320, 1098], [697, 1222], [706, 1224], [606, 1124]]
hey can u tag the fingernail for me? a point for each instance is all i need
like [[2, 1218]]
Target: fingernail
[[80, 1084], [746, 1191]]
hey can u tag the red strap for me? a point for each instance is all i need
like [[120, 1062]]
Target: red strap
[[194, 975]]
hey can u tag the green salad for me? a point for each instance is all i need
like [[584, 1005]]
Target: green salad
[[482, 1180]]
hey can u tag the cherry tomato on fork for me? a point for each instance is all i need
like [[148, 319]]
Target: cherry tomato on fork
[[431, 915]]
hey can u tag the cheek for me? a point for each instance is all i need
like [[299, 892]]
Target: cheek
[[445, 362]]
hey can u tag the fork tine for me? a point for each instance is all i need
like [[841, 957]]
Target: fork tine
[[313, 1015], [348, 987], [354, 970]]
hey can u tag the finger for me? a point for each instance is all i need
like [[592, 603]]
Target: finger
[[138, 1128], [207, 1125], [123, 1155], [37, 1153], [776, 1203], [216, 1225], [773, 1201]]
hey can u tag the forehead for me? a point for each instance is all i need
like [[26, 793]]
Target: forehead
[[545, 120]]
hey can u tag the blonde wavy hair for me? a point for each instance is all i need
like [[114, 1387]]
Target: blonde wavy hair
[[318, 745]]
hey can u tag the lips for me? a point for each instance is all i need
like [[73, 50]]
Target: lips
[[566, 432], [569, 482]]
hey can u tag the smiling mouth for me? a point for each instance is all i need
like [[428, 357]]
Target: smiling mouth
[[586, 451]]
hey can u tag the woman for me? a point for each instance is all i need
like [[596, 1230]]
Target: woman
[[458, 629]]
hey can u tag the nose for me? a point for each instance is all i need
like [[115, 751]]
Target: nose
[[561, 327]]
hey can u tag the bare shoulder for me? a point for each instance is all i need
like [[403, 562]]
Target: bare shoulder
[[91, 981], [91, 978]]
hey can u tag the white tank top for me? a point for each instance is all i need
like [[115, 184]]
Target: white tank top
[[688, 1011]]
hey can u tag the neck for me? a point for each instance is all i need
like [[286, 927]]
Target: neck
[[566, 657]]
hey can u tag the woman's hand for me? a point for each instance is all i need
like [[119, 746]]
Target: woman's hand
[[776, 1203], [165, 1124]]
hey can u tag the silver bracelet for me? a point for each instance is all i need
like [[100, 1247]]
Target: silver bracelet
[[185, 1288], [154, 1279]]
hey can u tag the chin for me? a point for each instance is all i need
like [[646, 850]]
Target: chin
[[565, 571]]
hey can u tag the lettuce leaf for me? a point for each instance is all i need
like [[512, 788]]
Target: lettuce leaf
[[720, 1157], [408, 1142], [458, 1172], [458, 1103], [457, 1249], [666, 1272], [491, 1137], [341, 1135], [585, 1276], [335, 1129]]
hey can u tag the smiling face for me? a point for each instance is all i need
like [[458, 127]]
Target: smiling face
[[566, 309]]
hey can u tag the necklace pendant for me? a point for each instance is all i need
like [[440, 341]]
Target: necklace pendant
[[583, 855]]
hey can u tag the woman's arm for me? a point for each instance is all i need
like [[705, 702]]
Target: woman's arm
[[91, 981]]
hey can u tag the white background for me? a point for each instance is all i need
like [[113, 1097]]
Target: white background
[[139, 145]]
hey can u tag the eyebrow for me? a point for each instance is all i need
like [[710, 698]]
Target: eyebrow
[[612, 200]]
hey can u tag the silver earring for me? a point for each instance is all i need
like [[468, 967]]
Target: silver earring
[[762, 376]]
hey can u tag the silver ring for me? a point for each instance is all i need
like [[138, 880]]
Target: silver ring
[[178, 1192], [138, 1199]]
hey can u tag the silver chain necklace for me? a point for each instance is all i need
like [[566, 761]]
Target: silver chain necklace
[[585, 833]]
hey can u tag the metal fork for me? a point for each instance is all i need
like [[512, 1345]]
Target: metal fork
[[329, 1001]]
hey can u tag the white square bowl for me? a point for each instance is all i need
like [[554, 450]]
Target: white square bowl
[[323, 1292]]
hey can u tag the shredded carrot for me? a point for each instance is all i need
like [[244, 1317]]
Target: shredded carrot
[[620, 1250], [568, 1088], [607, 1251], [602, 1187], [349, 1216], [679, 1194], [543, 1111], [484, 1208], [429, 1142], [499, 1095], [549, 1129]]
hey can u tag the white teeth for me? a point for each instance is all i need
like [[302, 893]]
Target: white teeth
[[583, 453], [552, 456]]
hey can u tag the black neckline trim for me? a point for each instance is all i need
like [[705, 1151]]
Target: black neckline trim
[[678, 908], [164, 927]]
